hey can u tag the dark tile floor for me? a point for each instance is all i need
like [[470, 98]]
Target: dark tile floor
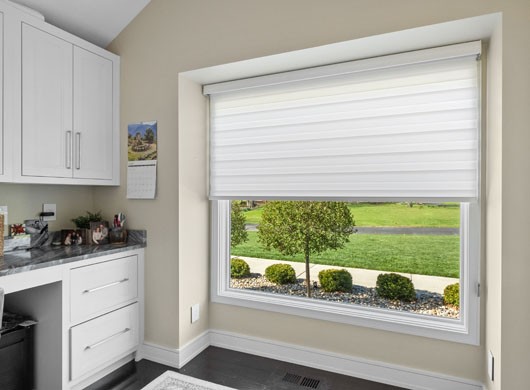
[[238, 370]]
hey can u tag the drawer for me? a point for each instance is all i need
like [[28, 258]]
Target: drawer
[[100, 341], [102, 287]]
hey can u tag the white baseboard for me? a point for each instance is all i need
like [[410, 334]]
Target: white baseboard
[[342, 364], [159, 354], [193, 348], [175, 357]]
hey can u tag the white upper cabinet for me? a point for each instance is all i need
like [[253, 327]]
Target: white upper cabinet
[[47, 104], [93, 138], [2, 135], [62, 106]]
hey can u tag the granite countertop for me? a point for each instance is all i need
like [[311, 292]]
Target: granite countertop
[[49, 255]]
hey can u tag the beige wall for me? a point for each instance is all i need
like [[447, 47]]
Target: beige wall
[[25, 201], [169, 37], [515, 338], [193, 211]]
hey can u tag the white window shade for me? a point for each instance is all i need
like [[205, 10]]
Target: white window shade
[[392, 128]]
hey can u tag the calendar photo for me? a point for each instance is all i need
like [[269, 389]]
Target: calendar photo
[[142, 141]]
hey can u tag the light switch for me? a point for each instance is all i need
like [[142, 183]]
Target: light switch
[[49, 208], [195, 313]]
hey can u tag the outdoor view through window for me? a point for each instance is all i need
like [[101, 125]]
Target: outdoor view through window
[[397, 256]]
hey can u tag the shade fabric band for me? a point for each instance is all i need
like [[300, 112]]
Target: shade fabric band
[[401, 127]]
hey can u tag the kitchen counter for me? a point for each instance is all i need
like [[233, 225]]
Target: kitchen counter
[[49, 255]]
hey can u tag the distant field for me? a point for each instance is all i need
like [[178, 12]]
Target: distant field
[[393, 214]]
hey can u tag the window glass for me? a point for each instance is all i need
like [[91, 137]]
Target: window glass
[[396, 256]]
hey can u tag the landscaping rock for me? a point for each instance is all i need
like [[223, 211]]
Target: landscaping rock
[[427, 302]]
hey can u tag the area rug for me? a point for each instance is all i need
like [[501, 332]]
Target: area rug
[[171, 380]]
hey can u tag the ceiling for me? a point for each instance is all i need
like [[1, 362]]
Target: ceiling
[[97, 21]]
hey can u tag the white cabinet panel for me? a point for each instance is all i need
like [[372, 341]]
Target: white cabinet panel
[[103, 339], [47, 128], [93, 115], [97, 288], [2, 135]]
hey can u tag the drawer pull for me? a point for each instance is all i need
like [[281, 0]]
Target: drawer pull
[[105, 286], [78, 152], [106, 339], [68, 149]]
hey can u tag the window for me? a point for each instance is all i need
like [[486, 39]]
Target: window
[[349, 246], [401, 128]]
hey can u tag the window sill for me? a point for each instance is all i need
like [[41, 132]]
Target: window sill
[[390, 320]]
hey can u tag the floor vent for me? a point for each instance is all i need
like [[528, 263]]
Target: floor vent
[[301, 381], [310, 382], [292, 378]]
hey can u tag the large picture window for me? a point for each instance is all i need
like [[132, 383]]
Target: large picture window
[[350, 192]]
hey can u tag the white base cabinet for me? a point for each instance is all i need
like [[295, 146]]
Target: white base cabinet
[[90, 316], [104, 315], [63, 114], [102, 340]]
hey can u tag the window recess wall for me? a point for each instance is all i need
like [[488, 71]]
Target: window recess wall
[[404, 127]]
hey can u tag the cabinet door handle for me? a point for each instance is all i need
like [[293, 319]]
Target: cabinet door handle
[[105, 286], [68, 149], [107, 339], [78, 150]]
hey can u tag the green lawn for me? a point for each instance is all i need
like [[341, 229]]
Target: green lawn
[[393, 214], [418, 254]]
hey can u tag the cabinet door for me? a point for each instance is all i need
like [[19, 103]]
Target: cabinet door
[[2, 135], [2, 132], [46, 104], [93, 110]]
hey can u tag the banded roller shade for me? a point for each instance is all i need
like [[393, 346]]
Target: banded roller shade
[[399, 127]]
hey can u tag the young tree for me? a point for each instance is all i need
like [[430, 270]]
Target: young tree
[[293, 227], [238, 234], [149, 136]]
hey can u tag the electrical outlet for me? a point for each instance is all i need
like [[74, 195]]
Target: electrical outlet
[[49, 208], [195, 313], [491, 366], [3, 210]]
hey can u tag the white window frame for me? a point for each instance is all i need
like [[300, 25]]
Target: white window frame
[[466, 329]]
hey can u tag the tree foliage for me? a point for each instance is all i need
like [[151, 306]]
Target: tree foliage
[[238, 234], [294, 227], [149, 136]]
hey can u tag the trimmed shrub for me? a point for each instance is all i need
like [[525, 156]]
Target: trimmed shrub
[[394, 286], [332, 280], [280, 274], [239, 268], [452, 295]]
